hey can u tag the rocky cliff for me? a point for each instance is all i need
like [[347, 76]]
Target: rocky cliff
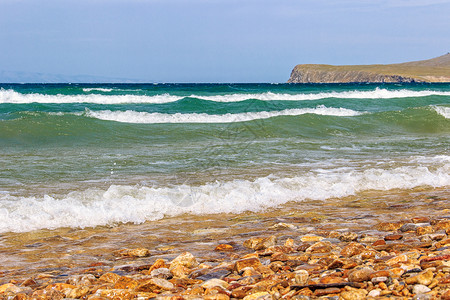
[[431, 70]]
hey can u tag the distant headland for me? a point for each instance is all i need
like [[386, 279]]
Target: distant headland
[[431, 70]]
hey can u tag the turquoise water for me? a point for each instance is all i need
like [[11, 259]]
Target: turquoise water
[[86, 155]]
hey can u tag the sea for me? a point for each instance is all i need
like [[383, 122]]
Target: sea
[[88, 155]]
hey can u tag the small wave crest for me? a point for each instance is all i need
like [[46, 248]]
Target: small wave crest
[[443, 111], [131, 116], [105, 90], [11, 96], [137, 204]]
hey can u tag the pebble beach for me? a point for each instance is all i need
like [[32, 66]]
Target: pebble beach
[[344, 249]]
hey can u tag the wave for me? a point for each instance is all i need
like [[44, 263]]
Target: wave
[[11, 96], [137, 204], [131, 116], [443, 111], [87, 90]]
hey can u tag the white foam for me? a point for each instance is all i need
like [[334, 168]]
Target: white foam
[[138, 204], [87, 90], [131, 116], [11, 96], [377, 93], [443, 111]]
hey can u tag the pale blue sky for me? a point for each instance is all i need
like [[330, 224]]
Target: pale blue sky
[[215, 40]]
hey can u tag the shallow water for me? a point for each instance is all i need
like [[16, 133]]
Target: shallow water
[[59, 253]]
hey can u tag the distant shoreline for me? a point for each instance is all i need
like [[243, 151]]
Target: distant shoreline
[[435, 70]]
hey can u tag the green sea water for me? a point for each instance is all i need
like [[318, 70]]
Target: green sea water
[[73, 151]]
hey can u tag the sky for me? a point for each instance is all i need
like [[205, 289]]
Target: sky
[[215, 40]]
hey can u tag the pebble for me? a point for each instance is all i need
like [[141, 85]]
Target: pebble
[[311, 238], [360, 275], [420, 289], [374, 293]]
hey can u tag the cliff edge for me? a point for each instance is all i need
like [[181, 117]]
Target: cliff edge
[[431, 70]]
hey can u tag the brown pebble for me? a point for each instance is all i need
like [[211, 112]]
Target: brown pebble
[[352, 249], [420, 220], [382, 273], [393, 237], [424, 230], [443, 224], [248, 262], [383, 286], [387, 226], [379, 243], [445, 280], [224, 247], [327, 291]]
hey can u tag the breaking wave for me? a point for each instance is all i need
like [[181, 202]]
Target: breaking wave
[[11, 96]]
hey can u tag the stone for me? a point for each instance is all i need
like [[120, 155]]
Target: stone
[[408, 227], [282, 226], [78, 292], [110, 277], [9, 287], [212, 283], [420, 289], [257, 243], [218, 296], [249, 271], [289, 243], [397, 259], [311, 238], [374, 293], [301, 277], [439, 237], [29, 282], [331, 280], [368, 239], [154, 284], [360, 275], [423, 278], [163, 273], [138, 252], [87, 279], [179, 271], [327, 291], [247, 262], [424, 230], [220, 273], [259, 296], [381, 273], [379, 279], [348, 237], [185, 259], [420, 220], [443, 224], [393, 237], [159, 263], [388, 226], [352, 249], [319, 247], [48, 294], [366, 254], [125, 282], [224, 247], [354, 294], [114, 294]]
